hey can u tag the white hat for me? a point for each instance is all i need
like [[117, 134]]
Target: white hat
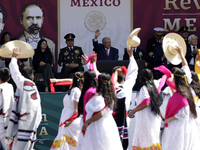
[[26, 50], [170, 41], [133, 40]]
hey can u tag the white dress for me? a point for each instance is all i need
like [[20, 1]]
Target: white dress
[[67, 137], [147, 125], [181, 134], [103, 133]]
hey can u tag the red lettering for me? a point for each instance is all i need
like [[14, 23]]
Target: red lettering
[[107, 3], [75, 3], [118, 3], [94, 3], [85, 3], [101, 4]]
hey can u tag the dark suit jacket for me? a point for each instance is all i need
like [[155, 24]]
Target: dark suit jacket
[[158, 54], [138, 55], [67, 56], [101, 52], [189, 55], [151, 44]]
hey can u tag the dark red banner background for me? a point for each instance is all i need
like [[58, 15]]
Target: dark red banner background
[[150, 14]]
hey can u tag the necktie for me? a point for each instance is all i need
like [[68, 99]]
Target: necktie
[[107, 52]]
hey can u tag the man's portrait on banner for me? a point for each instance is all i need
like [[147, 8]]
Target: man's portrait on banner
[[31, 18], [3, 17]]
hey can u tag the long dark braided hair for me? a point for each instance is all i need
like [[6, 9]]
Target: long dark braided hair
[[195, 84], [77, 81], [105, 88], [147, 80], [183, 88], [89, 81]]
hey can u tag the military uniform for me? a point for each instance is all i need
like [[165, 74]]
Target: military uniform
[[68, 56], [182, 30], [152, 43]]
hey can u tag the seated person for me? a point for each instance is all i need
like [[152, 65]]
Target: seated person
[[138, 54], [70, 57], [104, 51], [42, 61]]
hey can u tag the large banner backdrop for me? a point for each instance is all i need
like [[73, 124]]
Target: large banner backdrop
[[45, 21], [168, 14], [83, 18]]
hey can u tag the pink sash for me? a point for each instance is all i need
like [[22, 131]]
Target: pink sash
[[145, 101], [176, 103], [88, 95]]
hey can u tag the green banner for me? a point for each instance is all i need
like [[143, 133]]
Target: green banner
[[52, 105]]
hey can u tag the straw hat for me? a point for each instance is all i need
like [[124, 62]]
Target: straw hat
[[170, 42], [26, 50], [133, 40]]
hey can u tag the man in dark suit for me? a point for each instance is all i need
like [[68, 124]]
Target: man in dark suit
[[138, 54], [183, 31], [152, 43], [70, 57], [104, 51], [192, 49]]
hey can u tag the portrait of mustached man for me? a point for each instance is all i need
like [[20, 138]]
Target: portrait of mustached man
[[31, 18]]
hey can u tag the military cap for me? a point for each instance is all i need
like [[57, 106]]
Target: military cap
[[69, 36], [183, 29], [158, 31]]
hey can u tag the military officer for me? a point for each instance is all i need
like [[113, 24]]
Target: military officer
[[183, 31], [152, 43], [70, 57]]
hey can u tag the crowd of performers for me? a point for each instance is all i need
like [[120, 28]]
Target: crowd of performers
[[95, 115]]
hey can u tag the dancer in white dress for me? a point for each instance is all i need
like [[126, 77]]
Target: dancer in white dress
[[69, 127], [179, 111], [180, 126], [148, 121], [88, 91], [196, 88], [101, 132]]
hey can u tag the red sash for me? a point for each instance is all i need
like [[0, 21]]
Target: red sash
[[72, 118], [93, 115]]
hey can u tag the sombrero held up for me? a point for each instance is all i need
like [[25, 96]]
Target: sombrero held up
[[26, 50], [133, 40], [170, 42]]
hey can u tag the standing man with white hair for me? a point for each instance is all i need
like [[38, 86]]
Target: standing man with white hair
[[104, 51], [192, 49]]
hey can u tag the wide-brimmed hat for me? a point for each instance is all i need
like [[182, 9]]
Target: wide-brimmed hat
[[26, 50], [133, 40], [170, 41]]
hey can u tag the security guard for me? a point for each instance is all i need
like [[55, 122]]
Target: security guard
[[70, 57]]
